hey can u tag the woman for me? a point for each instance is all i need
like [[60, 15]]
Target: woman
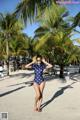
[[38, 66]]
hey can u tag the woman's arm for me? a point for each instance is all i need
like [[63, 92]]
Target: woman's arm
[[48, 65], [29, 65]]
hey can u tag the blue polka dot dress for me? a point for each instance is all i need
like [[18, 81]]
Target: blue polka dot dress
[[38, 69]]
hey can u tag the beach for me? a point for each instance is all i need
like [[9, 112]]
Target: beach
[[61, 99]]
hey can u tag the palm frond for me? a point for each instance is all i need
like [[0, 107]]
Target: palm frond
[[42, 41], [28, 9]]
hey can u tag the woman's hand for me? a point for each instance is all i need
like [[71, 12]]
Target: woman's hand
[[43, 60], [34, 60], [30, 64]]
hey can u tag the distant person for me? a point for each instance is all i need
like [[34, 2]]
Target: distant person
[[38, 65]]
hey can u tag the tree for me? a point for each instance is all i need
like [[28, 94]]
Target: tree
[[31, 47], [52, 25], [2, 49], [18, 47], [9, 27], [29, 9], [55, 28], [76, 21]]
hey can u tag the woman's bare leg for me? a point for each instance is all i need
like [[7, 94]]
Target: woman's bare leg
[[41, 87], [37, 91]]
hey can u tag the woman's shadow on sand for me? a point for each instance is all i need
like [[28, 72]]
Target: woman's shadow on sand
[[57, 94]]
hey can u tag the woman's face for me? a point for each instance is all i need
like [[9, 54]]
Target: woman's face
[[39, 60]]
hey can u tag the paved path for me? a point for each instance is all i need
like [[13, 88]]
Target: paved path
[[61, 98]]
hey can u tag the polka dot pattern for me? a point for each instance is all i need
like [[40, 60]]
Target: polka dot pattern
[[38, 72]]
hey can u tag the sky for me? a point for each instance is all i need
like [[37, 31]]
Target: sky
[[10, 5]]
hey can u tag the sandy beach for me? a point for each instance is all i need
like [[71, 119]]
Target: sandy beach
[[61, 97]]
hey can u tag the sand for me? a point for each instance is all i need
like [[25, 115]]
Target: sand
[[61, 98]]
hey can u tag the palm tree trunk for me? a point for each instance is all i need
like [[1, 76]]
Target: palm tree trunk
[[79, 68], [15, 63], [61, 71], [7, 67], [7, 52]]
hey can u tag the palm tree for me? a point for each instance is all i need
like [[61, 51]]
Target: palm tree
[[62, 54], [18, 47], [9, 26], [54, 28], [29, 9], [31, 47], [52, 24], [76, 20], [2, 49]]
